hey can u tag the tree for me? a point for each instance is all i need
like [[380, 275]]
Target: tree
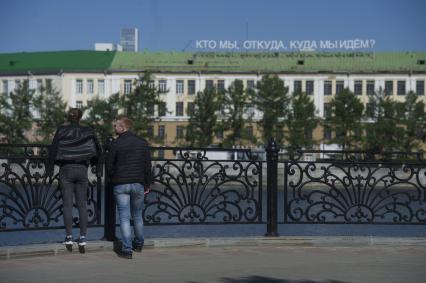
[[413, 119], [345, 119], [203, 120], [272, 100], [51, 112], [101, 114], [139, 105], [382, 133], [16, 117], [235, 102], [301, 121]]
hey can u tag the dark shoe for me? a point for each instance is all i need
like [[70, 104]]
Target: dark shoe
[[81, 244], [117, 246], [124, 254], [68, 243], [137, 247]]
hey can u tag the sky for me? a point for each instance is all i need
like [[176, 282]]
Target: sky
[[180, 25]]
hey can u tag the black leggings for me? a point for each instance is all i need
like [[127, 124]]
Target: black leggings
[[73, 179]]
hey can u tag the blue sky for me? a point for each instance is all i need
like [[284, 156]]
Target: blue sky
[[45, 25]]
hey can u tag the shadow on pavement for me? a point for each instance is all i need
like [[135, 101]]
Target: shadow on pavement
[[261, 279]]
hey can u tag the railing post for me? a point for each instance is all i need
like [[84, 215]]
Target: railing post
[[109, 205], [272, 189]]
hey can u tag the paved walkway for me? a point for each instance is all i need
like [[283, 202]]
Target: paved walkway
[[230, 260]]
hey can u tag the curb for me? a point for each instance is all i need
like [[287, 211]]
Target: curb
[[36, 250]]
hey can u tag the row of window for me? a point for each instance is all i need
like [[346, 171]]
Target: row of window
[[309, 86], [180, 132], [33, 84], [90, 86]]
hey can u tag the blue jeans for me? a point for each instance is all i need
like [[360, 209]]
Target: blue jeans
[[130, 198]]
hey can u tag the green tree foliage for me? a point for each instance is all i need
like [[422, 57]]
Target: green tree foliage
[[51, 112], [235, 102], [140, 104], [272, 100], [413, 120], [301, 121], [381, 124], [345, 119], [16, 116], [101, 114], [203, 120]]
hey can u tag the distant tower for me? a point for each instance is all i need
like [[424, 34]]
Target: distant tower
[[130, 39]]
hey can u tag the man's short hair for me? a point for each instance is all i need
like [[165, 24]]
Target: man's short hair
[[74, 115], [127, 122]]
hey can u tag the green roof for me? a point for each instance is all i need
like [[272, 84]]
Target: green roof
[[217, 62], [52, 62]]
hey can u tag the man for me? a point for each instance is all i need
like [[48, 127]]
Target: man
[[129, 168], [73, 148]]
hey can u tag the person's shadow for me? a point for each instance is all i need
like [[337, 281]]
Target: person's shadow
[[262, 279]]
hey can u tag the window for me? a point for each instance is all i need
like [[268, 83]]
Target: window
[[90, 86], [190, 109], [49, 84], [370, 111], [327, 110], [79, 104], [150, 131], [389, 87], [401, 88], [161, 131], [339, 86], [162, 85], [309, 87], [79, 86], [209, 84], [297, 86], [179, 87], [161, 153], [39, 85], [358, 88], [5, 88], [151, 84], [101, 87], [370, 87], [249, 132], [420, 87], [191, 86], [127, 86], [150, 109], [219, 134], [327, 133], [250, 84], [327, 87], [249, 110], [179, 108], [162, 109], [17, 84], [221, 86], [180, 132]]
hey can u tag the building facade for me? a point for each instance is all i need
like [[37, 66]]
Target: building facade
[[81, 76]]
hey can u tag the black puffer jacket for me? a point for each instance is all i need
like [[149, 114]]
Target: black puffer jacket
[[75, 143], [129, 160]]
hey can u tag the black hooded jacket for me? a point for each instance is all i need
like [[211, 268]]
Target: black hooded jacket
[[75, 143]]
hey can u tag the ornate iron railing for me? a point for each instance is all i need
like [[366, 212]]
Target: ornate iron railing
[[355, 187], [195, 189], [225, 186], [29, 199]]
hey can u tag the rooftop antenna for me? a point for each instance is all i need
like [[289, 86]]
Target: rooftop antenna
[[187, 45]]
